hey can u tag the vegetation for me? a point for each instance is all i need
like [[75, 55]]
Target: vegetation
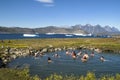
[[18, 74], [112, 44]]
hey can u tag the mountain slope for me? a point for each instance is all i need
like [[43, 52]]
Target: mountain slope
[[49, 29], [98, 29], [77, 29]]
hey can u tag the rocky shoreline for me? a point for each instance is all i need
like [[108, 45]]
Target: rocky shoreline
[[8, 54]]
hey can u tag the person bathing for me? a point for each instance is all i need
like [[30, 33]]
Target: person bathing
[[85, 57], [49, 60], [74, 55], [102, 58], [92, 54]]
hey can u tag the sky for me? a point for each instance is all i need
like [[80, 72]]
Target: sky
[[42, 13]]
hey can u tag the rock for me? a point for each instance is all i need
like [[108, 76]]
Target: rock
[[70, 48], [44, 50], [59, 49], [98, 50], [51, 50], [64, 48], [56, 49], [24, 54], [13, 56], [91, 49], [18, 53]]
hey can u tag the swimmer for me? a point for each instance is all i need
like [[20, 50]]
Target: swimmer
[[67, 52], [49, 60], [85, 57], [79, 53], [92, 54], [74, 55], [84, 60], [102, 58], [56, 55]]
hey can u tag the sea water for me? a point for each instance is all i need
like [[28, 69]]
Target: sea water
[[23, 36]]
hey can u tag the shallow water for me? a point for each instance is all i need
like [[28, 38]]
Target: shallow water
[[66, 65]]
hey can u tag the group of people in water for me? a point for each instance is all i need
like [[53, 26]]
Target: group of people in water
[[84, 56]]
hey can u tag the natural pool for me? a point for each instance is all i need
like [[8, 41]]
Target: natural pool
[[66, 65]]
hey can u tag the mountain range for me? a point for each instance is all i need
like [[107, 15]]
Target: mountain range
[[76, 29], [98, 29]]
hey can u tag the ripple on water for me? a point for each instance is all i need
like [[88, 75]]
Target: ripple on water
[[66, 65]]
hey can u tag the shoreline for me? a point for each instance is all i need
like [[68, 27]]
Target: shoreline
[[11, 49]]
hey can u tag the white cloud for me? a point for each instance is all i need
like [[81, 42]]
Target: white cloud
[[46, 1]]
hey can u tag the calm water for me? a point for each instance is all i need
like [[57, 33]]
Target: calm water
[[66, 65], [20, 36]]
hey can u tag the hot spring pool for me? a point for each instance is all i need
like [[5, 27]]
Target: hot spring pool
[[65, 65]]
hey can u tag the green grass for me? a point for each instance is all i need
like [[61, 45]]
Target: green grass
[[16, 74], [23, 74], [102, 43]]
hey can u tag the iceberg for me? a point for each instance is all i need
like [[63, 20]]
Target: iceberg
[[30, 35]]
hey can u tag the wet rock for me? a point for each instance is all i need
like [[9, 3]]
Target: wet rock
[[6, 59], [91, 48], [44, 50], [70, 48], [51, 50], [13, 56], [98, 50], [58, 49], [18, 53], [108, 50], [64, 48]]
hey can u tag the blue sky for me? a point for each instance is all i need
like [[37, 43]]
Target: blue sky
[[41, 13]]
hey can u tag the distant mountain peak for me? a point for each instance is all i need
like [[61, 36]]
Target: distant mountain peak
[[97, 29], [80, 29], [111, 29]]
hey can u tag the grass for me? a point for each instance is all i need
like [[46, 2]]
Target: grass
[[18, 74], [23, 74], [102, 43]]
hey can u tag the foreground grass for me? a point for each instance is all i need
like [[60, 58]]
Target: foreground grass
[[102, 43], [16, 74], [23, 74]]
